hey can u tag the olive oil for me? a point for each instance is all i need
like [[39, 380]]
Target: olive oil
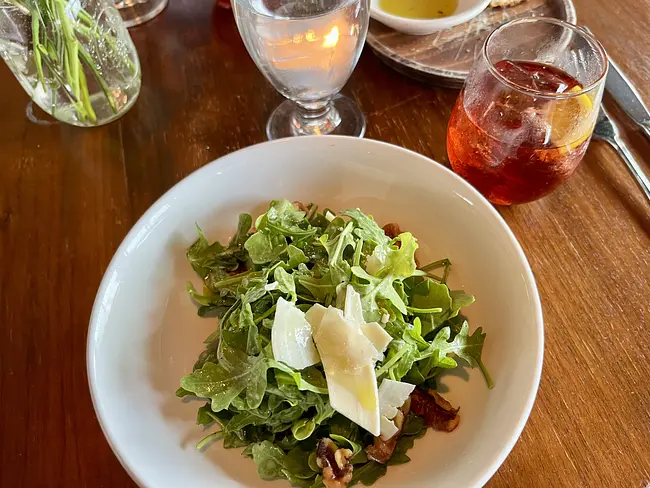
[[419, 9]]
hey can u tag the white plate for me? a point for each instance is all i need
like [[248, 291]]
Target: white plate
[[144, 332], [466, 11]]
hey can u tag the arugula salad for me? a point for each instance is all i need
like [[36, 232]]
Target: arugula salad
[[330, 338]]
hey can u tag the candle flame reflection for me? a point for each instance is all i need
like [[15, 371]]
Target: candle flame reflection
[[331, 39]]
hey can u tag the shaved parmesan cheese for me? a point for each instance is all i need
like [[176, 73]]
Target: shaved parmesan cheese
[[387, 428], [314, 316], [353, 311], [392, 395], [377, 336], [354, 395], [373, 331], [291, 337], [348, 361], [346, 348]]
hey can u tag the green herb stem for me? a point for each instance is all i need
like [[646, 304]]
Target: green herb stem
[[37, 49], [266, 314], [100, 81], [208, 439]]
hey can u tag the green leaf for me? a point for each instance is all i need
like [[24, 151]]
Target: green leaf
[[347, 443], [269, 459], [205, 416], [233, 440], [285, 282], [368, 474], [243, 228], [264, 247], [205, 300], [324, 410], [309, 379], [244, 419], [302, 429], [459, 300], [342, 426], [397, 261], [320, 288], [377, 288], [428, 295], [399, 360], [222, 382], [182, 393], [414, 425], [336, 242], [366, 227], [296, 462], [399, 456], [296, 257]]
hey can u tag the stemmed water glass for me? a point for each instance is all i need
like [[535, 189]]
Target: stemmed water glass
[[307, 49]]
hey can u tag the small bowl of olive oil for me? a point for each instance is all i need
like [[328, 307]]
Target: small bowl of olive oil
[[420, 17]]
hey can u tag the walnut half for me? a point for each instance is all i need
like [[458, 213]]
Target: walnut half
[[434, 409], [335, 463]]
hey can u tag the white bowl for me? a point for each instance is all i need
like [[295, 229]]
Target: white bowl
[[466, 10], [145, 334]]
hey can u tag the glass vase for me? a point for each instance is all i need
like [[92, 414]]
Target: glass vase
[[74, 58]]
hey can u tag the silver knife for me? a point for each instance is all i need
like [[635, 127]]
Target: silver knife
[[621, 88]]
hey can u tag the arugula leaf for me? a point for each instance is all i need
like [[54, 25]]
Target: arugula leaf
[[459, 300], [284, 218], [368, 474], [367, 229], [336, 240], [264, 247], [404, 443], [223, 382], [182, 392], [342, 441], [303, 428], [269, 459], [244, 419], [377, 288], [243, 228], [296, 256], [397, 261], [296, 462], [285, 282], [279, 415], [205, 416]]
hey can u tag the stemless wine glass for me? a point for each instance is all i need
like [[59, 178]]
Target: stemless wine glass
[[523, 121], [307, 49]]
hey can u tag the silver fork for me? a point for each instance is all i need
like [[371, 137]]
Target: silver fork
[[606, 130]]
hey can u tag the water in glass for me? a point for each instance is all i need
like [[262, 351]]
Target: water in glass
[[307, 49]]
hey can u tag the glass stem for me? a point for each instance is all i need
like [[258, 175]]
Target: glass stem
[[315, 118]]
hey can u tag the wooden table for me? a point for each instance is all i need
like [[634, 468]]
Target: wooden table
[[68, 196]]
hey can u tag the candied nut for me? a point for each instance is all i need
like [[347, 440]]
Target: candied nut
[[381, 451], [434, 409], [335, 463], [300, 206], [392, 230]]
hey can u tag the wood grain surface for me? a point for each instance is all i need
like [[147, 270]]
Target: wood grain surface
[[68, 196], [445, 57]]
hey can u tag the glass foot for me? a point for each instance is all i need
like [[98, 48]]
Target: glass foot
[[341, 117], [136, 12]]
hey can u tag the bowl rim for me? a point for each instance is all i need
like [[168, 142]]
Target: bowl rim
[[485, 473], [458, 17]]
